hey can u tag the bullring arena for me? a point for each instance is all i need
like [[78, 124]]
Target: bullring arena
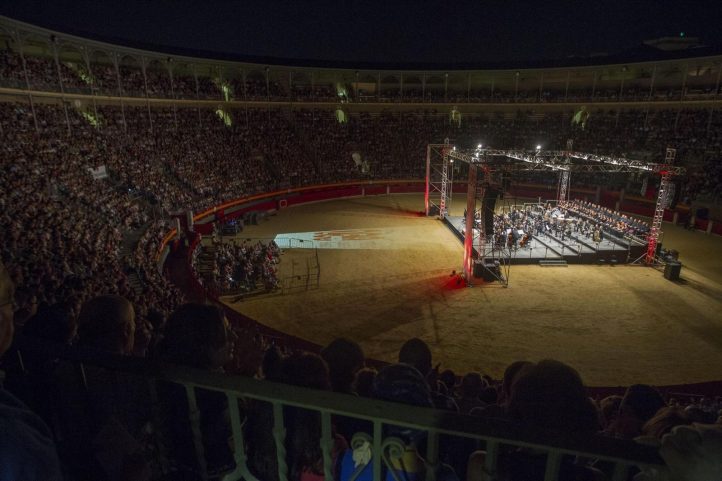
[[217, 266], [620, 325]]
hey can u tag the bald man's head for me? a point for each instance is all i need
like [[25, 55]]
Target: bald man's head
[[107, 323], [7, 307]]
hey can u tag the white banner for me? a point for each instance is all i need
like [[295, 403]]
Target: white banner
[[99, 172]]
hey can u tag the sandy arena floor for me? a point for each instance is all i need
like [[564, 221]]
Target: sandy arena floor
[[388, 279]]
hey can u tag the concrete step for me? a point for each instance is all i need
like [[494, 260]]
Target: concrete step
[[135, 282]]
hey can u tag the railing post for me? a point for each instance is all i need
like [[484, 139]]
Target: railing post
[[432, 455], [279, 435], [492, 451], [554, 461], [377, 451], [327, 445], [194, 416], [621, 472], [239, 449], [155, 412]]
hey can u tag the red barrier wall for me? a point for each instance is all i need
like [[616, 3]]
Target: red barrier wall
[[324, 195]]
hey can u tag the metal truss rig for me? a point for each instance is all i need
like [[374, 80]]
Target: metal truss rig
[[438, 188], [562, 161], [563, 185]]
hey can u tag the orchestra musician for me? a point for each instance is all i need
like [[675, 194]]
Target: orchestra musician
[[524, 240]]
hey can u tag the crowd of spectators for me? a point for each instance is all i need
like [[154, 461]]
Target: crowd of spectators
[[166, 160], [243, 267], [57, 248], [547, 395], [64, 230], [165, 80]]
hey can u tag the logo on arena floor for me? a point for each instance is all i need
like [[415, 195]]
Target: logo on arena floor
[[348, 235]]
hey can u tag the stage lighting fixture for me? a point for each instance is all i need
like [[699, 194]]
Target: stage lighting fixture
[[538, 147], [478, 146]]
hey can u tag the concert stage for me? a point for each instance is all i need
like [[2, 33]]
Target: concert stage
[[577, 249]]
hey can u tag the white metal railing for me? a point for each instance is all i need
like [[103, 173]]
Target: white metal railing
[[623, 455]]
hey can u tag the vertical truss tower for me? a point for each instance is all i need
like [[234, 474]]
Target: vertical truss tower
[[436, 198], [564, 175], [666, 191]]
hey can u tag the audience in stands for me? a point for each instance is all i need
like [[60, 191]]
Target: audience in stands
[[303, 426], [107, 323], [345, 358], [415, 352], [470, 392], [547, 395], [240, 268], [400, 383], [639, 404], [69, 237]]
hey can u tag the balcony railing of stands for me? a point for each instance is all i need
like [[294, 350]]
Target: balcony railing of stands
[[493, 434], [13, 88]]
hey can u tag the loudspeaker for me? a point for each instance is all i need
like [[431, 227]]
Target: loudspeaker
[[478, 269], [505, 183], [672, 270], [677, 193], [433, 210], [488, 204], [486, 269]]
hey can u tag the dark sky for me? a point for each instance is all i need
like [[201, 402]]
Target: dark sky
[[392, 31]]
